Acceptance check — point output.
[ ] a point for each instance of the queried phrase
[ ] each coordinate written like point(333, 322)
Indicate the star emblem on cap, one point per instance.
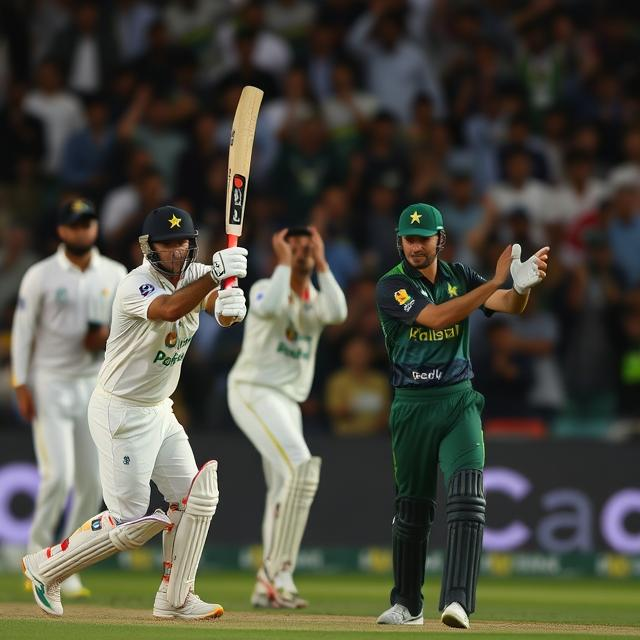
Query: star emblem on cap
point(415, 217)
point(174, 221)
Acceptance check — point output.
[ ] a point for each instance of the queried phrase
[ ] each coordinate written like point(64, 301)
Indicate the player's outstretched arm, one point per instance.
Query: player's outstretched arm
point(440, 316)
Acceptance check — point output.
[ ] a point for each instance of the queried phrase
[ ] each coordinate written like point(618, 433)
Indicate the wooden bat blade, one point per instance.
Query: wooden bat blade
point(243, 132)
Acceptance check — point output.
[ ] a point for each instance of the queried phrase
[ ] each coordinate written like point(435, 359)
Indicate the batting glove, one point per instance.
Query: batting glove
point(525, 274)
point(231, 303)
point(229, 263)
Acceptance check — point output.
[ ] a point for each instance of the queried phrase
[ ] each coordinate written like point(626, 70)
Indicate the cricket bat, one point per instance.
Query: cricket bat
point(243, 131)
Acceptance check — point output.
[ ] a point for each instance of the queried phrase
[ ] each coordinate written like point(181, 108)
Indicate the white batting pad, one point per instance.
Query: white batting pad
point(191, 533)
point(97, 539)
point(291, 517)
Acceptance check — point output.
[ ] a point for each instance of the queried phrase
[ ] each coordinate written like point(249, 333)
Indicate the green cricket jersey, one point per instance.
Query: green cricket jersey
point(423, 357)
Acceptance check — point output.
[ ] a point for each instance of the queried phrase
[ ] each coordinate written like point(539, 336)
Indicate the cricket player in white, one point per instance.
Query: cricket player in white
point(59, 332)
point(271, 376)
point(155, 316)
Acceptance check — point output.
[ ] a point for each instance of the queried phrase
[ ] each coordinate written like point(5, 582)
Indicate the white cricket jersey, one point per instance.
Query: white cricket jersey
point(144, 357)
point(56, 303)
point(282, 330)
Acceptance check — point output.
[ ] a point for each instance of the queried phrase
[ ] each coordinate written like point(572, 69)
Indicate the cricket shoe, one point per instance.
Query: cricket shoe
point(192, 609)
point(399, 614)
point(47, 596)
point(454, 615)
point(73, 588)
point(278, 594)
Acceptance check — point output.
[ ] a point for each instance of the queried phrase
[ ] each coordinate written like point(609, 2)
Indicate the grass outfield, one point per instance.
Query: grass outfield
point(342, 606)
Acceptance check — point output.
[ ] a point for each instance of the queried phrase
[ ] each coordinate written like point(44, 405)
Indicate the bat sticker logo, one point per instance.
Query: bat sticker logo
point(237, 199)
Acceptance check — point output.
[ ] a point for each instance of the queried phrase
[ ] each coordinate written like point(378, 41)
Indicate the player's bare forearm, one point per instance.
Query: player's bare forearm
point(507, 301)
point(173, 307)
point(440, 316)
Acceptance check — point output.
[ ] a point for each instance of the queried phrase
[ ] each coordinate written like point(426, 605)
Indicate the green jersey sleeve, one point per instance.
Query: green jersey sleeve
point(400, 299)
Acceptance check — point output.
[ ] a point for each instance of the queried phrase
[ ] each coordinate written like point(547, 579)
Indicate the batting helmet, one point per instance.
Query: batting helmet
point(165, 224)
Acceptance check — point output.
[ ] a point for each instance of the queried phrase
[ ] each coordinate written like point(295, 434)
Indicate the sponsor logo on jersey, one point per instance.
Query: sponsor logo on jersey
point(146, 289)
point(402, 297)
point(434, 374)
point(301, 349)
point(61, 296)
point(171, 339)
point(291, 334)
point(168, 361)
point(423, 334)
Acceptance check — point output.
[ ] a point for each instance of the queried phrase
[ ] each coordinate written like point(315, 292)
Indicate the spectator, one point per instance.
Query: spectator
point(269, 52)
point(16, 256)
point(281, 116)
point(290, 19)
point(503, 374)
point(396, 69)
point(193, 163)
point(59, 111)
point(589, 315)
point(580, 192)
point(624, 225)
point(21, 134)
point(348, 112)
point(132, 20)
point(521, 189)
point(305, 166)
point(357, 397)
point(88, 152)
point(320, 58)
point(86, 49)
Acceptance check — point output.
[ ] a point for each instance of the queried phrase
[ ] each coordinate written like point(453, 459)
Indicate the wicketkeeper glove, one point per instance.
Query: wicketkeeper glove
point(231, 303)
point(525, 274)
point(229, 263)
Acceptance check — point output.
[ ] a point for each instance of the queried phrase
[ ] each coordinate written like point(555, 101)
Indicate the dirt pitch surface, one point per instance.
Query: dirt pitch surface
point(302, 622)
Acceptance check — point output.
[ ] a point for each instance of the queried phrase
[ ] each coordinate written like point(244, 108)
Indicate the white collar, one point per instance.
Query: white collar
point(67, 265)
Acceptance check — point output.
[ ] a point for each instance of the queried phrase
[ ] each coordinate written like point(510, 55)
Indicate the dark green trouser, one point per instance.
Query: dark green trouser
point(440, 425)
point(431, 426)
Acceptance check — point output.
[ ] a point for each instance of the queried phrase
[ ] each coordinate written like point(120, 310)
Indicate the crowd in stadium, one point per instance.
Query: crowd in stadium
point(520, 121)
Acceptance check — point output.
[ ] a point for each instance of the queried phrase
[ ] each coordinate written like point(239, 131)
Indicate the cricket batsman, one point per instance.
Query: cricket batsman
point(424, 305)
point(155, 315)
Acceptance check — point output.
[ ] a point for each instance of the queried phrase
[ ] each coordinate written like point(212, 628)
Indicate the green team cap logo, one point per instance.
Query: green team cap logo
point(420, 220)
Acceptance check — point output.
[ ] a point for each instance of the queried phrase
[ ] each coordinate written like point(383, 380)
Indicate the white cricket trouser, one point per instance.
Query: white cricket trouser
point(273, 423)
point(66, 456)
point(135, 445)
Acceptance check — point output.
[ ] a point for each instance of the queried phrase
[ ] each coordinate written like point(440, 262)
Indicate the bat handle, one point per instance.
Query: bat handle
point(232, 241)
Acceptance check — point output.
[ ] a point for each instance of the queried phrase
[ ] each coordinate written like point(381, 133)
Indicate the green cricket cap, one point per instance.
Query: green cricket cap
point(420, 220)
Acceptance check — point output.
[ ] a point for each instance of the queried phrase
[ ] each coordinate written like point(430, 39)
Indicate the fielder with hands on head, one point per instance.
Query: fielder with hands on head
point(60, 327)
point(271, 376)
point(423, 306)
point(155, 315)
